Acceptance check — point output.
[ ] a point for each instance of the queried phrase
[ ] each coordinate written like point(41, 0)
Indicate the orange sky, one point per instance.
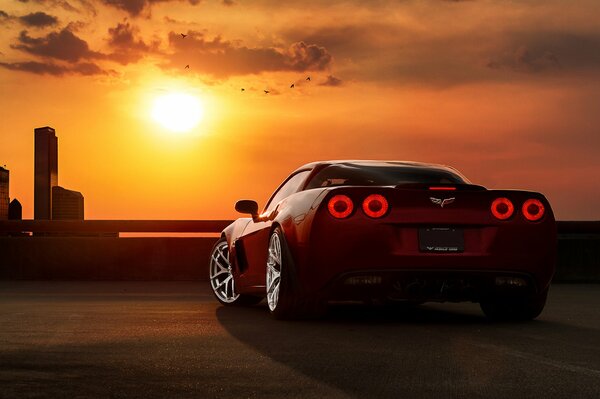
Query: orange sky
point(507, 92)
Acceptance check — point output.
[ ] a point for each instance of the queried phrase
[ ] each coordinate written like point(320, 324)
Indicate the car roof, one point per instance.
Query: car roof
point(318, 165)
point(380, 163)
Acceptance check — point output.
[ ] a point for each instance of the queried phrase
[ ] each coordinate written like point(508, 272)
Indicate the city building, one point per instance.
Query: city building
point(4, 179)
point(66, 204)
point(46, 171)
point(15, 210)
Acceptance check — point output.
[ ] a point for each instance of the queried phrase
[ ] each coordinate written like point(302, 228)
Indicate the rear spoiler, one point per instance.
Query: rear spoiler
point(441, 187)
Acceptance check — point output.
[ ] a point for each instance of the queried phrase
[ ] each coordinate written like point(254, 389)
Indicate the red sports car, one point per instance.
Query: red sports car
point(388, 232)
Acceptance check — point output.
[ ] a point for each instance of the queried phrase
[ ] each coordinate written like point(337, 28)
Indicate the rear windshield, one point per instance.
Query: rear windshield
point(393, 175)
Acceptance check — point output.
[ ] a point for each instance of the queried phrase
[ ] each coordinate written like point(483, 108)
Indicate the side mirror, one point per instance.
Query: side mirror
point(247, 206)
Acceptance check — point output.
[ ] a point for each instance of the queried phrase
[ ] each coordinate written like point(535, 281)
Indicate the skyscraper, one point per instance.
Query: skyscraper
point(46, 171)
point(4, 175)
point(66, 204)
point(15, 210)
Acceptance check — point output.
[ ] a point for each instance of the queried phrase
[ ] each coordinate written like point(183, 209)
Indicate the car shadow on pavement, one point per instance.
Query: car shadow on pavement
point(425, 351)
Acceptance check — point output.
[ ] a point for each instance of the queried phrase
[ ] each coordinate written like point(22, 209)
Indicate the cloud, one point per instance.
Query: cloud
point(545, 51)
point(6, 18)
point(305, 57)
point(129, 48)
point(64, 4)
point(66, 46)
point(45, 68)
point(407, 54)
point(135, 7)
point(63, 45)
point(332, 81)
point(38, 19)
point(123, 36)
point(228, 3)
point(524, 60)
point(222, 58)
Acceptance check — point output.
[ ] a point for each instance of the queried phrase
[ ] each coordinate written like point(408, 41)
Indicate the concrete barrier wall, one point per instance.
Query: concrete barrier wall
point(111, 258)
point(578, 259)
point(104, 258)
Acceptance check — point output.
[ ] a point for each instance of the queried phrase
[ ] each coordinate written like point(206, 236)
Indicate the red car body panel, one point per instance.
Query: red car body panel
point(326, 249)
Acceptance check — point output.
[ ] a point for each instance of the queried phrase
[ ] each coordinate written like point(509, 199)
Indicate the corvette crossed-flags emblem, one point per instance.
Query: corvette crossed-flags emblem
point(441, 202)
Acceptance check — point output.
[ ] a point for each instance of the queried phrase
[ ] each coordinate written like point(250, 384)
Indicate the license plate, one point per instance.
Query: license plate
point(441, 239)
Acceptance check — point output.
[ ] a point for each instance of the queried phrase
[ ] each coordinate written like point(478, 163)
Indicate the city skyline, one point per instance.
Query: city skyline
point(171, 110)
point(51, 201)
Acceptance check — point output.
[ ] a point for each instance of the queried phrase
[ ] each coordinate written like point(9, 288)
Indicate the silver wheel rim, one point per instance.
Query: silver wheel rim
point(273, 272)
point(221, 277)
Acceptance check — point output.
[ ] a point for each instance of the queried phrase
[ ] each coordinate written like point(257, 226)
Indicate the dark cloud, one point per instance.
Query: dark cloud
point(524, 60)
point(123, 36)
point(38, 19)
point(63, 45)
point(228, 3)
point(66, 46)
point(352, 41)
point(6, 18)
point(376, 51)
point(332, 81)
point(135, 7)
point(305, 57)
point(87, 69)
point(64, 4)
point(222, 58)
point(538, 52)
point(129, 48)
point(45, 68)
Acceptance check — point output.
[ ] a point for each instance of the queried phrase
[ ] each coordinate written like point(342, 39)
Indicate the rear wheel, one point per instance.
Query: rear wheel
point(515, 309)
point(283, 294)
point(221, 277)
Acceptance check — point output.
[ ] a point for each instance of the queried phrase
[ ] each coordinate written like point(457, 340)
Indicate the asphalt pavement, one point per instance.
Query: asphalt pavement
point(171, 340)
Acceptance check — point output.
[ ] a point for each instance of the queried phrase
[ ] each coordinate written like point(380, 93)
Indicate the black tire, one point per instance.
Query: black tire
point(291, 303)
point(515, 309)
point(225, 294)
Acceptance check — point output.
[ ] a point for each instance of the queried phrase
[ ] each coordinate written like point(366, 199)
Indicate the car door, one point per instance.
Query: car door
point(255, 239)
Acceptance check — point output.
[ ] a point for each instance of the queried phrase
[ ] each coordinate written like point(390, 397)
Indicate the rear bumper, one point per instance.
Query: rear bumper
point(393, 251)
point(432, 285)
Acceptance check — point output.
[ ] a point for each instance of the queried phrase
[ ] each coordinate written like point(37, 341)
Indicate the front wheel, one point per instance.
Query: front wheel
point(515, 309)
point(221, 277)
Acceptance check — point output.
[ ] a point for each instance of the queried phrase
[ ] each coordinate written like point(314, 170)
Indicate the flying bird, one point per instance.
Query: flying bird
point(187, 66)
point(243, 89)
point(308, 78)
point(292, 86)
point(266, 91)
point(183, 36)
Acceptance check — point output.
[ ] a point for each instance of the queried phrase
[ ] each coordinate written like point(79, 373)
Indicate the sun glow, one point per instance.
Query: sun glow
point(178, 112)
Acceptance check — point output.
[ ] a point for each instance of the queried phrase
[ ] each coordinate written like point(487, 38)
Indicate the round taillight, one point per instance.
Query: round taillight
point(533, 209)
point(375, 206)
point(340, 206)
point(502, 208)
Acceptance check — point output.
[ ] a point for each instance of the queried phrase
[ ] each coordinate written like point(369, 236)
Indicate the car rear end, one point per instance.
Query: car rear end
point(452, 242)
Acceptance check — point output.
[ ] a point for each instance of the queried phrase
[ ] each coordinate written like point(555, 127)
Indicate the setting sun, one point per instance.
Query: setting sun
point(178, 112)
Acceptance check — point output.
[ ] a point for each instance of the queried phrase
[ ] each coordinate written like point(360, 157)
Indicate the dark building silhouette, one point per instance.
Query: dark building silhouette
point(4, 179)
point(46, 171)
point(15, 210)
point(66, 204)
